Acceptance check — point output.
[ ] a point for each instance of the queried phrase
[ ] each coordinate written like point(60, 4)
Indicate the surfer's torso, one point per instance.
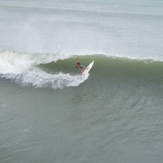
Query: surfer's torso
point(79, 66)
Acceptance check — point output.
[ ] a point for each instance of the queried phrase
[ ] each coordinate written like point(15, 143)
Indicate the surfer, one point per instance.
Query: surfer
point(78, 65)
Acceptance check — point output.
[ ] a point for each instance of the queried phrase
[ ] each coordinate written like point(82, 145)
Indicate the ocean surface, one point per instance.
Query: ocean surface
point(50, 113)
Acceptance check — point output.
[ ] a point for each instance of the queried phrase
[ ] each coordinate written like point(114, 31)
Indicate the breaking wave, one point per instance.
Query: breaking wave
point(57, 71)
point(24, 69)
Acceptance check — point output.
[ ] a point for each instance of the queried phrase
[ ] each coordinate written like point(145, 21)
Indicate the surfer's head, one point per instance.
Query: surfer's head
point(78, 63)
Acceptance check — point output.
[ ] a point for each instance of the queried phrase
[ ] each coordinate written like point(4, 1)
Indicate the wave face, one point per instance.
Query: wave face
point(23, 68)
point(56, 71)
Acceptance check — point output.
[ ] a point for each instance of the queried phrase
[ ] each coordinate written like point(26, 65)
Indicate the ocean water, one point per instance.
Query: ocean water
point(49, 112)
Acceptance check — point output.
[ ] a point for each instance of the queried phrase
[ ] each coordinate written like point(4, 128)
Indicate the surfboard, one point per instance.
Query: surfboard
point(88, 68)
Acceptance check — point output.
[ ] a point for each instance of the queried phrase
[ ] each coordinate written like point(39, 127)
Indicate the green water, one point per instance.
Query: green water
point(114, 116)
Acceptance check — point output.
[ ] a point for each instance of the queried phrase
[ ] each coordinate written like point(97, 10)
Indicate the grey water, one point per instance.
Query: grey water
point(49, 113)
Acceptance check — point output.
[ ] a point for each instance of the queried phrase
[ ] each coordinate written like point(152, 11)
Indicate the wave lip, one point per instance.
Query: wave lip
point(22, 68)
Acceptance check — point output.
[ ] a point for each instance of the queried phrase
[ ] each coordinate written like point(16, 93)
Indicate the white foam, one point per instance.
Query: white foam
point(22, 69)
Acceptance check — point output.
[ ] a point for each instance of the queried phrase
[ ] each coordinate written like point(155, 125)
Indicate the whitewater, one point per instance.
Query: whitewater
point(22, 68)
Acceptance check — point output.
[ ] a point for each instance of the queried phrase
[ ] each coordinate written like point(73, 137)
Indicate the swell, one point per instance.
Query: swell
point(79, 8)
